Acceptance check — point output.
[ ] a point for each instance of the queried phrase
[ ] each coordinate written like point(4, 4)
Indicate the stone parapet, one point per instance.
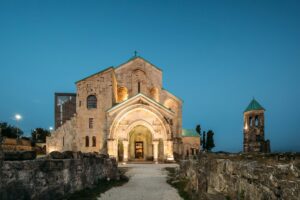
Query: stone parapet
point(242, 176)
point(55, 175)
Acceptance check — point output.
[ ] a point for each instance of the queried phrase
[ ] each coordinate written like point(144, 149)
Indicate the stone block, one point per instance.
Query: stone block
point(56, 155)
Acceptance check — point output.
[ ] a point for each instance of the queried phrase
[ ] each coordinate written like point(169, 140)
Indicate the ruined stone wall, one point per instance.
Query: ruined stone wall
point(65, 138)
point(54, 176)
point(249, 177)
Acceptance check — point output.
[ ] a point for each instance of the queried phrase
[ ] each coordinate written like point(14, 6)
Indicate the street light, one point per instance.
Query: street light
point(18, 117)
point(51, 128)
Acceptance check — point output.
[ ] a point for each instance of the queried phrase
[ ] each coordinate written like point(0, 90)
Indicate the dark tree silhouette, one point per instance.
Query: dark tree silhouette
point(210, 140)
point(198, 129)
point(9, 131)
point(204, 141)
point(39, 135)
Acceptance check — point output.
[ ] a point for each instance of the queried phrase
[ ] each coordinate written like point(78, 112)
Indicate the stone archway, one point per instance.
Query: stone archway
point(140, 116)
point(140, 144)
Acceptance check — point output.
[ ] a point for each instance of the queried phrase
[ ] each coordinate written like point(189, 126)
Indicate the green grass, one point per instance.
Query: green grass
point(178, 184)
point(100, 188)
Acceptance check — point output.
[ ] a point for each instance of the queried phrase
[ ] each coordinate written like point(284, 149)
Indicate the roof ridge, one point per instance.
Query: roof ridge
point(135, 57)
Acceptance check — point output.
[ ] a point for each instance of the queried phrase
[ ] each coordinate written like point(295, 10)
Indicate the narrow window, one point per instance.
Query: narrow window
point(257, 138)
point(87, 142)
point(187, 152)
point(91, 123)
point(79, 103)
point(91, 102)
point(250, 121)
point(94, 141)
point(256, 120)
point(139, 87)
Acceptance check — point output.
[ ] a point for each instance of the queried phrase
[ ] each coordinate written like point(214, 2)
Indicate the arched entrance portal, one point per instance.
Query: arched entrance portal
point(140, 144)
point(140, 132)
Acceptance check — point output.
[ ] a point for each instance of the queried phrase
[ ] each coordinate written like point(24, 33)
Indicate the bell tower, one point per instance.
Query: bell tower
point(254, 129)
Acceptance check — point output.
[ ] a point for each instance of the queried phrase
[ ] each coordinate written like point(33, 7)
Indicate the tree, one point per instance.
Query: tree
point(204, 141)
point(39, 135)
point(210, 140)
point(10, 131)
point(198, 129)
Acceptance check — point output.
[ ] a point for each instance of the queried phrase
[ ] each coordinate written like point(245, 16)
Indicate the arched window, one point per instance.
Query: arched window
point(87, 141)
point(256, 120)
point(250, 121)
point(91, 102)
point(139, 87)
point(94, 141)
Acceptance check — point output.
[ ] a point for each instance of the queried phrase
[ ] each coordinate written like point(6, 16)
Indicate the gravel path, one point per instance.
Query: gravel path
point(146, 181)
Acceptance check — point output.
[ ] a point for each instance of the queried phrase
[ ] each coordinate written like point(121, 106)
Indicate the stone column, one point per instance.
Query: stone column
point(170, 155)
point(110, 148)
point(125, 153)
point(155, 150)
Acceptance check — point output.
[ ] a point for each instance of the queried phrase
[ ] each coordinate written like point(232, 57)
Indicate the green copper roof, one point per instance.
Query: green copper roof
point(254, 105)
point(189, 133)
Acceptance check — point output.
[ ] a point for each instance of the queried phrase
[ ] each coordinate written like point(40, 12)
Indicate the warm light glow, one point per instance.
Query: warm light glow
point(51, 148)
point(18, 117)
point(246, 127)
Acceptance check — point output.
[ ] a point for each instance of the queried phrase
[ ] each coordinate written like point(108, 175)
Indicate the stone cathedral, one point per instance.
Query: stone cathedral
point(123, 111)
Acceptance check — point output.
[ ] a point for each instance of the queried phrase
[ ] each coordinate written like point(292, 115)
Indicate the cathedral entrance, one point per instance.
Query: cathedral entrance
point(139, 150)
point(140, 143)
point(138, 132)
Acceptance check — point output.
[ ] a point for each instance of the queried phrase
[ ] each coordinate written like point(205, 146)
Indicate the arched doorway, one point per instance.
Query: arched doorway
point(140, 143)
point(143, 132)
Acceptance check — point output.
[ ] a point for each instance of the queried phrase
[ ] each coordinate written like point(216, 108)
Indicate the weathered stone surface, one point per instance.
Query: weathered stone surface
point(245, 176)
point(56, 155)
point(53, 178)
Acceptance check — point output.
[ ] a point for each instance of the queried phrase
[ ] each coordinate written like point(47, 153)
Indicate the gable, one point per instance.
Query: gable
point(142, 99)
point(139, 59)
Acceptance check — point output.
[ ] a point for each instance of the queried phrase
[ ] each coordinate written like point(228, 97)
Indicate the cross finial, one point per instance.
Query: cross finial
point(135, 53)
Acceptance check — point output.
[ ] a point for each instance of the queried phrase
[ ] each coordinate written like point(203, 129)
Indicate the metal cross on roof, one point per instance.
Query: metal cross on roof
point(135, 53)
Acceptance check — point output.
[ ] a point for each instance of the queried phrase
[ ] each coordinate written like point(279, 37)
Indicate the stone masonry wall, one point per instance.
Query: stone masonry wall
point(245, 176)
point(54, 176)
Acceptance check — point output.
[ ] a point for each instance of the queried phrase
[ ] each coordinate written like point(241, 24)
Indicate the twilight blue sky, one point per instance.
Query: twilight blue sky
point(215, 55)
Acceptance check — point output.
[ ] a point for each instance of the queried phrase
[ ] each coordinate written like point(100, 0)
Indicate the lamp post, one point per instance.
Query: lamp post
point(18, 117)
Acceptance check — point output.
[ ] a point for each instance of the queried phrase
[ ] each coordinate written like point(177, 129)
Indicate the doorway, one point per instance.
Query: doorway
point(139, 150)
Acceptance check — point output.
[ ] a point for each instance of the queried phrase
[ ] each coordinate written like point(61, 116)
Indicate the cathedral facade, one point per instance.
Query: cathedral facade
point(123, 111)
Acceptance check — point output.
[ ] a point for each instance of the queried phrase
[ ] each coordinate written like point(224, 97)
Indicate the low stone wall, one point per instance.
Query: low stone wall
point(244, 176)
point(54, 176)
